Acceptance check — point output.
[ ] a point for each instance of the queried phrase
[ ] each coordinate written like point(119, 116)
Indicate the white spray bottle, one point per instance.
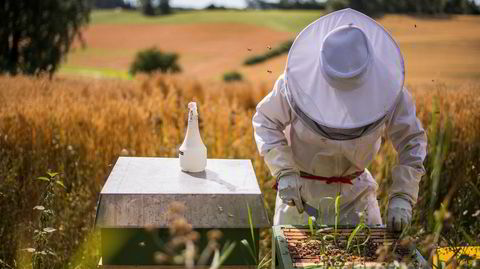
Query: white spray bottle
point(192, 152)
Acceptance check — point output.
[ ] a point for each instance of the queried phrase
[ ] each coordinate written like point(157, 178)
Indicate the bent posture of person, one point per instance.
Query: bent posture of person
point(322, 124)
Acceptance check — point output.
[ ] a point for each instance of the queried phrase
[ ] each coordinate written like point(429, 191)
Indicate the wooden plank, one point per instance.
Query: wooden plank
point(100, 265)
point(388, 242)
point(299, 228)
point(274, 249)
point(343, 233)
point(282, 252)
point(376, 239)
point(357, 265)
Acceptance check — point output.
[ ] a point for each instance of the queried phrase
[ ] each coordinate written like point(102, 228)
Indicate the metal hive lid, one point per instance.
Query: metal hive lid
point(140, 189)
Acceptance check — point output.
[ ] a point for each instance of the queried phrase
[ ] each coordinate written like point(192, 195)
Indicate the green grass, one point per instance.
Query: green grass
point(277, 51)
point(94, 72)
point(288, 21)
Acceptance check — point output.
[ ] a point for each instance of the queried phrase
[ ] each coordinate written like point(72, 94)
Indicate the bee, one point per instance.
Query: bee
point(249, 49)
point(415, 25)
point(269, 71)
point(269, 47)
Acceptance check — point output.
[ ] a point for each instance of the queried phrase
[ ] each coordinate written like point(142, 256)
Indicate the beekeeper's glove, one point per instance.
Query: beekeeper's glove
point(399, 213)
point(289, 191)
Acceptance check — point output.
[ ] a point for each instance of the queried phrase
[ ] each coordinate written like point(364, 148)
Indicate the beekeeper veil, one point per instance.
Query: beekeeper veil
point(343, 74)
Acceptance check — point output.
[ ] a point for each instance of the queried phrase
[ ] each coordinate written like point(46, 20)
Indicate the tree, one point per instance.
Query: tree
point(154, 60)
point(301, 4)
point(35, 35)
point(147, 7)
point(430, 7)
point(164, 7)
point(461, 7)
point(372, 8)
point(109, 3)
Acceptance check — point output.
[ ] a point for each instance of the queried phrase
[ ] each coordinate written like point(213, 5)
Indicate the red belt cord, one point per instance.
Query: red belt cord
point(344, 180)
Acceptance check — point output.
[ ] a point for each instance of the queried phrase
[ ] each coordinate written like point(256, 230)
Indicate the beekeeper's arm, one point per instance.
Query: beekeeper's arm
point(272, 116)
point(410, 141)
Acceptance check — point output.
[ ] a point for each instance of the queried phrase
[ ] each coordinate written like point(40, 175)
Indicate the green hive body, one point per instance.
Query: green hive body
point(127, 246)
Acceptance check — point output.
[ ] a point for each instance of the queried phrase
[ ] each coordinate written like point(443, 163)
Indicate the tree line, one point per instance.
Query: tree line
point(422, 7)
point(376, 7)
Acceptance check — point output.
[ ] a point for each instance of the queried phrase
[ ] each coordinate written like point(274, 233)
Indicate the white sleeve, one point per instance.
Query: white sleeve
point(272, 116)
point(410, 141)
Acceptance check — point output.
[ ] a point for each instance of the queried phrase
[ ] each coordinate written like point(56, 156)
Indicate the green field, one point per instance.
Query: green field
point(211, 43)
point(290, 21)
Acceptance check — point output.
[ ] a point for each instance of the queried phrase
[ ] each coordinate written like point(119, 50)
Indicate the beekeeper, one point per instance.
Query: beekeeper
point(322, 124)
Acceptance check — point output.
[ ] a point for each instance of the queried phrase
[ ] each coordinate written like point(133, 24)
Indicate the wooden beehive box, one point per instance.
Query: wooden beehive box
point(132, 213)
point(287, 239)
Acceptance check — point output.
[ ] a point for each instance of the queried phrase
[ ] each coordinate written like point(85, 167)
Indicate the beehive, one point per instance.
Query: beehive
point(286, 236)
point(139, 190)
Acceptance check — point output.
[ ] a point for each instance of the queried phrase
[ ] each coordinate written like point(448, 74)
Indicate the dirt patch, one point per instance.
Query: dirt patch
point(206, 50)
point(437, 50)
point(434, 50)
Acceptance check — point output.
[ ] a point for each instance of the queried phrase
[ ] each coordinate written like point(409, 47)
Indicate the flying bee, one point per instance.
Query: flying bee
point(249, 49)
point(269, 71)
point(269, 47)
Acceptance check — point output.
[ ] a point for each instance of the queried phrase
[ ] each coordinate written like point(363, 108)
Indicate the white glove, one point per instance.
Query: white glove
point(399, 214)
point(289, 191)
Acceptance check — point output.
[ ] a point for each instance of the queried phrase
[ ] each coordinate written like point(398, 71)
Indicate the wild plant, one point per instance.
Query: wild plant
point(312, 225)
point(266, 260)
point(183, 237)
point(440, 140)
point(337, 217)
point(361, 227)
point(42, 253)
point(5, 265)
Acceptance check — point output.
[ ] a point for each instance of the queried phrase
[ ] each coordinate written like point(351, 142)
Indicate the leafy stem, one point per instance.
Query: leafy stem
point(44, 229)
point(337, 217)
point(265, 261)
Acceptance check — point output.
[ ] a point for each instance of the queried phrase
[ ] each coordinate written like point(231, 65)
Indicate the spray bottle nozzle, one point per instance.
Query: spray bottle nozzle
point(192, 106)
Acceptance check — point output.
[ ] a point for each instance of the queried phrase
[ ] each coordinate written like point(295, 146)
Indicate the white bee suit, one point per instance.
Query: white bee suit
point(317, 155)
point(342, 90)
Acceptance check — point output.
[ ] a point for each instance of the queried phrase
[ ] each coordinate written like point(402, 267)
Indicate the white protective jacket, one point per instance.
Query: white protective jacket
point(289, 146)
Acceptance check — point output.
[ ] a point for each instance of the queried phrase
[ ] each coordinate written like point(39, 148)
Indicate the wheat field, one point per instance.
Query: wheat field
point(78, 127)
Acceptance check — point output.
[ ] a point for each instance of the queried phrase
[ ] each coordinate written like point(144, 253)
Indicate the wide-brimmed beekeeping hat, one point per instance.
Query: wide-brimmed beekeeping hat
point(344, 70)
